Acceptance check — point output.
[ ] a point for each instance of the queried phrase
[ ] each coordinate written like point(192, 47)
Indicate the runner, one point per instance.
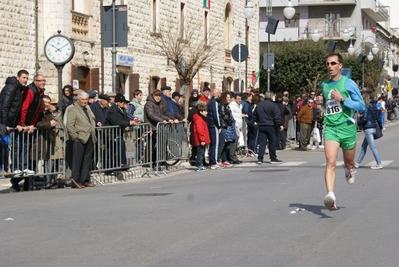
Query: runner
point(341, 99)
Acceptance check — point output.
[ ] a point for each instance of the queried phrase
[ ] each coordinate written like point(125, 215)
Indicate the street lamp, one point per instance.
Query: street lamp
point(289, 13)
point(249, 12)
point(370, 56)
point(346, 35)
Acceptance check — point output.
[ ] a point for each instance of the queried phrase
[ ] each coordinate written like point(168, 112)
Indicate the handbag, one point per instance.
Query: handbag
point(316, 135)
point(378, 133)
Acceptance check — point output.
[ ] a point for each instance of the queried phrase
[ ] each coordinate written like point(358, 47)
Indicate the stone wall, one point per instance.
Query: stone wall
point(18, 39)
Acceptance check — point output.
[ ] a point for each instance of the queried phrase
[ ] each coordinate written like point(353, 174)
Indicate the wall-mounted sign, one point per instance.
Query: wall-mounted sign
point(75, 84)
point(124, 60)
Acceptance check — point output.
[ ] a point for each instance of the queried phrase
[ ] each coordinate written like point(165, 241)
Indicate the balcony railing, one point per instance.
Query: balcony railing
point(80, 24)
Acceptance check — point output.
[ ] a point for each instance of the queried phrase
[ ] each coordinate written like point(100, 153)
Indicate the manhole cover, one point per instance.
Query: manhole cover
point(147, 195)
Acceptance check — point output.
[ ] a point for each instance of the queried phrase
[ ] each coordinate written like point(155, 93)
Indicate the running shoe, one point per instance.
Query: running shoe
point(329, 202)
point(259, 162)
point(201, 169)
point(226, 164)
point(376, 167)
point(216, 167)
point(321, 146)
point(349, 175)
point(356, 165)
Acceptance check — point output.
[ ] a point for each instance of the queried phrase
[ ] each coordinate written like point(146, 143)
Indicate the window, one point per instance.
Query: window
point(206, 27)
point(154, 16)
point(292, 23)
point(182, 16)
point(78, 6)
point(332, 23)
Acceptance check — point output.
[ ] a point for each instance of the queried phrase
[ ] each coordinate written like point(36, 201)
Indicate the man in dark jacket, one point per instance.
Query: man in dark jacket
point(166, 95)
point(268, 117)
point(117, 116)
point(214, 127)
point(10, 105)
point(100, 108)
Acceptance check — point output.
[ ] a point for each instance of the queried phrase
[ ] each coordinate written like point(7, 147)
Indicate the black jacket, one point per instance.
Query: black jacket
point(10, 102)
point(370, 117)
point(116, 116)
point(99, 112)
point(267, 114)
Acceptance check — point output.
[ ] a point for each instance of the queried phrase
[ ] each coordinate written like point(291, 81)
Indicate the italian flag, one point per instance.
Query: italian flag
point(207, 3)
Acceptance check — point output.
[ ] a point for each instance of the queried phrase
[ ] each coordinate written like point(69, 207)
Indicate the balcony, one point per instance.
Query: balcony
point(80, 25)
point(277, 3)
point(375, 10)
point(326, 2)
point(288, 34)
point(368, 37)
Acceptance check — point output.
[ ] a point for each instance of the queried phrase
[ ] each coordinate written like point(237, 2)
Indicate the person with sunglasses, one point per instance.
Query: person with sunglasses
point(341, 99)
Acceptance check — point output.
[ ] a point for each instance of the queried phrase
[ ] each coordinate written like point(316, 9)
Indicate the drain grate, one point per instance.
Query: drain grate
point(270, 170)
point(148, 195)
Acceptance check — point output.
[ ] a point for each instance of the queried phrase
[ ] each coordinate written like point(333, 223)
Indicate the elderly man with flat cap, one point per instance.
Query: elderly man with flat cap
point(166, 96)
point(100, 108)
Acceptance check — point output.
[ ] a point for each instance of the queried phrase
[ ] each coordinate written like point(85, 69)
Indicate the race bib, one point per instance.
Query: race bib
point(333, 107)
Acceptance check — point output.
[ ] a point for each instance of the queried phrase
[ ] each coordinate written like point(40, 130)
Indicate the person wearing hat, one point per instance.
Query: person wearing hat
point(178, 107)
point(99, 109)
point(92, 96)
point(192, 101)
point(206, 93)
point(112, 96)
point(117, 116)
point(166, 95)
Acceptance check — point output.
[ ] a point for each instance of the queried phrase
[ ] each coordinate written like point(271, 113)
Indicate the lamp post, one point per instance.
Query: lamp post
point(346, 35)
point(370, 56)
point(289, 12)
point(249, 12)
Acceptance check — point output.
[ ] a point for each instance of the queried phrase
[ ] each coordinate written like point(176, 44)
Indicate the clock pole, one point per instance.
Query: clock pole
point(59, 70)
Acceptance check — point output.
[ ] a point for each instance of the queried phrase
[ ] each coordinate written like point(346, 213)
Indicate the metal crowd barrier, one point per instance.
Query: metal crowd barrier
point(170, 144)
point(37, 154)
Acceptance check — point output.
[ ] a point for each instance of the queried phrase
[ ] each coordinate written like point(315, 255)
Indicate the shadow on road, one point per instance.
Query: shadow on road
point(315, 209)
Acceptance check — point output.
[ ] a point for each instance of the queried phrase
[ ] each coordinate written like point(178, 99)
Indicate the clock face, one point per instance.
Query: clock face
point(59, 49)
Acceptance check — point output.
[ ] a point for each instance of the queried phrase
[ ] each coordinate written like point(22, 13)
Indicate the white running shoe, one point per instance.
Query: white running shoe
point(321, 146)
point(356, 165)
point(313, 147)
point(329, 202)
point(349, 175)
point(376, 167)
point(18, 172)
point(29, 172)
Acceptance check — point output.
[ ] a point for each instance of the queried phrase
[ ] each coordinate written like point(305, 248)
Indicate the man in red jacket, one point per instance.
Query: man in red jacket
point(201, 135)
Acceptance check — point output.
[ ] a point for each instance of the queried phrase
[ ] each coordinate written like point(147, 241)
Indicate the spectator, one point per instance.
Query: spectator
point(201, 135)
point(154, 113)
point(117, 116)
point(81, 129)
point(138, 112)
point(252, 126)
point(281, 135)
point(166, 95)
point(268, 117)
point(30, 109)
point(100, 108)
point(178, 108)
point(206, 92)
point(305, 119)
point(67, 97)
point(192, 101)
point(11, 100)
point(236, 113)
point(214, 127)
point(226, 120)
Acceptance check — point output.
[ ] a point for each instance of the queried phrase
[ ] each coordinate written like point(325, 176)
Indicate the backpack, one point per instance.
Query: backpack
point(379, 106)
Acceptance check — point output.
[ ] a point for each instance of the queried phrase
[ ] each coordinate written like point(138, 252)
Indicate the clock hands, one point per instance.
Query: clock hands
point(56, 48)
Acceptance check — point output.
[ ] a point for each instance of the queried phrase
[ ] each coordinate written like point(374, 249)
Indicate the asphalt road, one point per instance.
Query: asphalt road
point(241, 216)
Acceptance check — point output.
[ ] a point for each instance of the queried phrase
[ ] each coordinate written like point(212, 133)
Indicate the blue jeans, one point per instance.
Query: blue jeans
point(200, 156)
point(382, 118)
point(369, 141)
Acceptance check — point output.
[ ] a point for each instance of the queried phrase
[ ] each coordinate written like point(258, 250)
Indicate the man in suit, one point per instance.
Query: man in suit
point(81, 129)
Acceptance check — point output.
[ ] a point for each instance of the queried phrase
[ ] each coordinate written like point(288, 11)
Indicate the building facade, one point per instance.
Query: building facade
point(367, 21)
point(26, 25)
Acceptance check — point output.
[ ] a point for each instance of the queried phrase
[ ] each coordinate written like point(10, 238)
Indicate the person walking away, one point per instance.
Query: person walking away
point(341, 99)
point(381, 107)
point(369, 119)
point(268, 118)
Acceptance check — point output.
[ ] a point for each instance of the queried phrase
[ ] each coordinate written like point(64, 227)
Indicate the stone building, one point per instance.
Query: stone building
point(26, 25)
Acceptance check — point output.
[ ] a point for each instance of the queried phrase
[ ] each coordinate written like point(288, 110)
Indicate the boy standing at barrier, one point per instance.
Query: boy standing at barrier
point(201, 135)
